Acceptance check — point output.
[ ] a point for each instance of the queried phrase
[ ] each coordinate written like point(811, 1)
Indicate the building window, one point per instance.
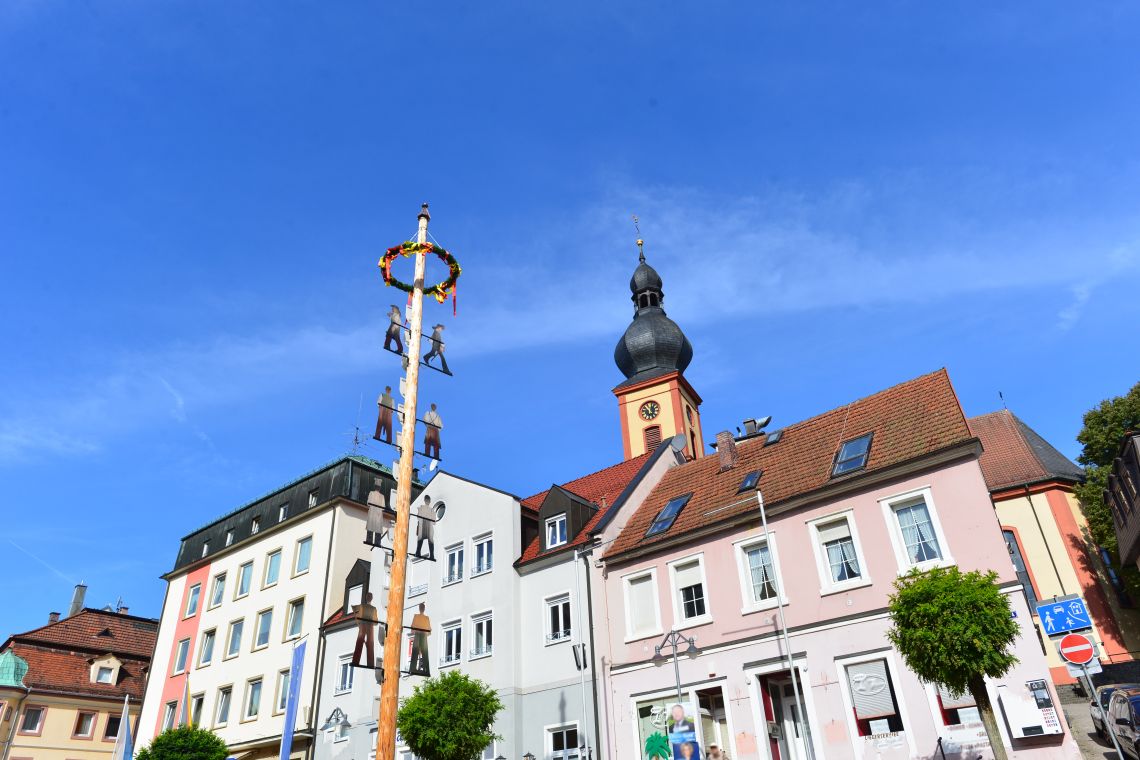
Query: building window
point(837, 550)
point(206, 652)
point(261, 631)
point(282, 512)
point(852, 455)
point(252, 699)
point(180, 652)
point(564, 743)
point(168, 714)
point(272, 568)
point(454, 564)
point(222, 714)
point(218, 590)
point(245, 579)
point(488, 752)
point(304, 555)
point(484, 555)
point(205, 548)
point(84, 725)
point(1019, 567)
point(643, 617)
point(452, 643)
point(196, 703)
point(749, 482)
point(667, 515)
point(111, 730)
point(483, 635)
point(957, 710)
point(558, 618)
point(915, 532)
point(296, 618)
point(32, 722)
point(254, 525)
point(229, 536)
point(192, 600)
point(344, 675)
point(689, 591)
point(313, 498)
point(873, 698)
point(758, 567)
point(652, 437)
point(555, 531)
point(104, 674)
point(282, 691)
point(233, 645)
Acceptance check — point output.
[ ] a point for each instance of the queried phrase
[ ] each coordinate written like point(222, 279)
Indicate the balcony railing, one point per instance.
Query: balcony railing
point(453, 577)
point(480, 652)
point(416, 590)
point(485, 568)
point(449, 659)
point(558, 635)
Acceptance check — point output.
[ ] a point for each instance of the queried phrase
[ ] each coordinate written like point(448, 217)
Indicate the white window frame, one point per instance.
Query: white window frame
point(889, 505)
point(476, 620)
point(198, 704)
point(265, 582)
point(212, 632)
point(344, 665)
point(558, 518)
point(229, 651)
point(823, 567)
point(246, 703)
point(297, 555)
point(283, 512)
point(547, 603)
point(744, 570)
point(237, 581)
point(110, 674)
point(548, 736)
point(229, 537)
point(181, 651)
point(214, 588)
point(281, 693)
point(625, 583)
point(169, 715)
point(485, 538)
point(894, 671)
point(447, 579)
point(193, 597)
point(680, 622)
point(291, 615)
point(218, 705)
point(452, 625)
point(255, 646)
point(254, 525)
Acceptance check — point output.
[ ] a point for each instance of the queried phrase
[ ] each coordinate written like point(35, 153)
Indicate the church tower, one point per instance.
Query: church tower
point(655, 402)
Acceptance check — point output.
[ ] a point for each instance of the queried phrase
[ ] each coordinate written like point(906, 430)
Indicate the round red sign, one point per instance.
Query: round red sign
point(1077, 649)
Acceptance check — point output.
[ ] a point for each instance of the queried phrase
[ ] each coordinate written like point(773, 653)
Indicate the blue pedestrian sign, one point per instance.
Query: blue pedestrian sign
point(1064, 616)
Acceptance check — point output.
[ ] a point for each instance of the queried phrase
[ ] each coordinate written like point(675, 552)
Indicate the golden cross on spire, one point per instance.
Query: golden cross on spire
point(640, 242)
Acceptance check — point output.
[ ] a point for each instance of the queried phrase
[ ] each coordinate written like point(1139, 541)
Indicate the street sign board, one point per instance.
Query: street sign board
point(1076, 649)
point(1076, 671)
point(1064, 616)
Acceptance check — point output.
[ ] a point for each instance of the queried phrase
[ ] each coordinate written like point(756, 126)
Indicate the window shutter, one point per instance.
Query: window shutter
point(641, 609)
point(870, 689)
point(950, 702)
point(652, 437)
point(688, 574)
point(834, 531)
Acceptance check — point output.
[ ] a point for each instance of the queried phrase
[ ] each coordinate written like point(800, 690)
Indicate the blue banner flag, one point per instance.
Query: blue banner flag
point(124, 746)
point(292, 700)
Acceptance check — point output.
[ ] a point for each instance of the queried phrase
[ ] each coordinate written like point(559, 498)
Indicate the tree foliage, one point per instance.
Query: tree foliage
point(184, 743)
point(449, 717)
point(1104, 428)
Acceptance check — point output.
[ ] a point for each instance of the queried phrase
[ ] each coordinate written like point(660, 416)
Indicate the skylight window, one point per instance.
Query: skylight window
point(750, 481)
point(852, 455)
point(666, 516)
point(774, 437)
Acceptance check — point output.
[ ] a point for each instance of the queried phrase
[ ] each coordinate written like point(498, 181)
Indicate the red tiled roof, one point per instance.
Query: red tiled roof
point(59, 654)
point(1014, 455)
point(915, 418)
point(597, 487)
point(339, 617)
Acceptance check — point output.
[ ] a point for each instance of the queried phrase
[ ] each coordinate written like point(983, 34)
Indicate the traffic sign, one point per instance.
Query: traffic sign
point(1077, 649)
point(1064, 616)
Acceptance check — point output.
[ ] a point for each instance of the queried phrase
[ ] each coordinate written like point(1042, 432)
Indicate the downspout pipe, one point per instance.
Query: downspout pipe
point(593, 671)
point(15, 723)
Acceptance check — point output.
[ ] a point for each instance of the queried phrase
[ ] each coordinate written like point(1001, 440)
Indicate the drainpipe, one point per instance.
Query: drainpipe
point(581, 670)
point(593, 671)
point(1041, 530)
point(15, 723)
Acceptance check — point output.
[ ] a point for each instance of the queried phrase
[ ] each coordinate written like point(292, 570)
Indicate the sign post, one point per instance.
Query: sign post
point(1077, 649)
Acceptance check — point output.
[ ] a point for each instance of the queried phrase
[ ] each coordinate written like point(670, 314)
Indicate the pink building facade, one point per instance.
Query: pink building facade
point(837, 543)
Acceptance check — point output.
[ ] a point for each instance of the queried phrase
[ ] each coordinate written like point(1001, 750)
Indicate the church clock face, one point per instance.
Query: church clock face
point(649, 410)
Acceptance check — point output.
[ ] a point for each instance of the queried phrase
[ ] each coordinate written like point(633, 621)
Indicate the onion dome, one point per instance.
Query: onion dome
point(653, 344)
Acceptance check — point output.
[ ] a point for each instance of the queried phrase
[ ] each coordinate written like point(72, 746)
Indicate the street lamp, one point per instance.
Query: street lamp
point(528, 756)
point(675, 640)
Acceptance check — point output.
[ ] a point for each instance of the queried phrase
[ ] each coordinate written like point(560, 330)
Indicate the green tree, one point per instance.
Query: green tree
point(955, 629)
point(1105, 426)
point(184, 743)
point(449, 717)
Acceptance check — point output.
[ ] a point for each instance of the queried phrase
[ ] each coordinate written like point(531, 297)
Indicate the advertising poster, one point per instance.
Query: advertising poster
point(681, 726)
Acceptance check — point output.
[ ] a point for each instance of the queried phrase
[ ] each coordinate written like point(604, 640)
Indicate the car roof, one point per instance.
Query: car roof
point(1115, 686)
point(1132, 694)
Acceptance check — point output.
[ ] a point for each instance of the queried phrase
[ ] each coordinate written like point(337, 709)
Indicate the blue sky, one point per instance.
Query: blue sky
point(193, 197)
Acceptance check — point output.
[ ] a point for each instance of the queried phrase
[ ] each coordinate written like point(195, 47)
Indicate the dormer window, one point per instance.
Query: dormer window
point(205, 548)
point(667, 515)
point(105, 670)
point(104, 674)
point(749, 482)
point(556, 531)
point(852, 455)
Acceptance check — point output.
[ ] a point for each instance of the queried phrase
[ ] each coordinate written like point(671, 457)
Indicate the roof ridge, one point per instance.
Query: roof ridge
point(588, 475)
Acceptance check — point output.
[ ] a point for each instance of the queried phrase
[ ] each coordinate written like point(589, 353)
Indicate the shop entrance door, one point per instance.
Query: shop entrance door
point(788, 716)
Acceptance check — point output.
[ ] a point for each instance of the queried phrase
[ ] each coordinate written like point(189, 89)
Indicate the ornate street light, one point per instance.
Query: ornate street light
point(675, 640)
point(528, 756)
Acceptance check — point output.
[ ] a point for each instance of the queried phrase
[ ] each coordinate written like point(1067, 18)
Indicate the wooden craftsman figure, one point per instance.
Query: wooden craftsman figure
point(380, 518)
point(432, 425)
point(421, 627)
point(437, 347)
point(366, 620)
point(394, 330)
point(386, 405)
point(425, 528)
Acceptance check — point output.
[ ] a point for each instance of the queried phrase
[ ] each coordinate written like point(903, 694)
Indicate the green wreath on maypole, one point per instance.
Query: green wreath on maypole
point(441, 290)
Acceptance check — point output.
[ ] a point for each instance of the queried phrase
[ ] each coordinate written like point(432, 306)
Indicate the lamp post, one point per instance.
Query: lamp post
point(675, 640)
point(528, 756)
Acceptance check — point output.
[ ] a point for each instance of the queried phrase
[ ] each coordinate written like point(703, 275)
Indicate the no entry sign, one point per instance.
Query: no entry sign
point(1077, 649)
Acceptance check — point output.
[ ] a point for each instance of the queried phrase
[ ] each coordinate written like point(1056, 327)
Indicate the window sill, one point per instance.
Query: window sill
point(203, 665)
point(477, 573)
point(342, 692)
point(643, 636)
point(928, 565)
point(480, 656)
point(249, 719)
point(846, 586)
point(449, 664)
point(269, 585)
point(555, 642)
point(694, 622)
point(763, 606)
point(299, 573)
point(450, 582)
point(233, 656)
point(259, 647)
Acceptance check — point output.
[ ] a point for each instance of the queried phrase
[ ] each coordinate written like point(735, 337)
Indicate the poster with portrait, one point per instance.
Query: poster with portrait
point(681, 727)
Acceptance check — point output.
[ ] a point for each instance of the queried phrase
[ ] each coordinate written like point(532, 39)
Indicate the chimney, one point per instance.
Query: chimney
point(77, 599)
point(123, 609)
point(53, 617)
point(726, 450)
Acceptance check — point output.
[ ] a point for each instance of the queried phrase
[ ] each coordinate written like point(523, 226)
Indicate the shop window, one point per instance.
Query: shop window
point(873, 697)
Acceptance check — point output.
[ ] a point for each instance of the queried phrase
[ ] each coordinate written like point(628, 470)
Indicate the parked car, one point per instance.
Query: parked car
point(1124, 720)
point(1099, 704)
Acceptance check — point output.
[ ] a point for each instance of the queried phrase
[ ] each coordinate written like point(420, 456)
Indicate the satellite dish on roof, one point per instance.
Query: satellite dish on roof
point(677, 443)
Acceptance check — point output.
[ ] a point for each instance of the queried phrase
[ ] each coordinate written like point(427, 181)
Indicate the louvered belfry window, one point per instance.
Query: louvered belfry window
point(652, 437)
